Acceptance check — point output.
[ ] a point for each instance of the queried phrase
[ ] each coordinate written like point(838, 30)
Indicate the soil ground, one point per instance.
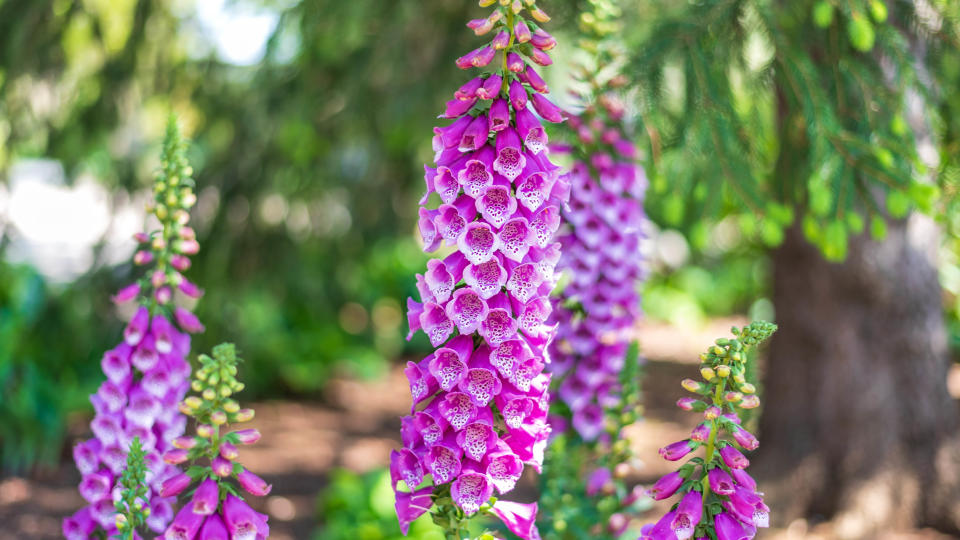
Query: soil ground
point(302, 442)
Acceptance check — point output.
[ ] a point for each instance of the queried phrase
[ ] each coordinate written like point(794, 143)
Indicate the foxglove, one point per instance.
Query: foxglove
point(594, 368)
point(215, 508)
point(494, 198)
point(147, 373)
point(718, 497)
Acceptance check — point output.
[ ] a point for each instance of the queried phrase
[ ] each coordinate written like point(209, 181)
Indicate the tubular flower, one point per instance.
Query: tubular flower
point(146, 374)
point(485, 306)
point(719, 499)
point(594, 368)
point(213, 509)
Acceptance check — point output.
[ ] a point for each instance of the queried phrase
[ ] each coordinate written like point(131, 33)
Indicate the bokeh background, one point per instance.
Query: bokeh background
point(310, 121)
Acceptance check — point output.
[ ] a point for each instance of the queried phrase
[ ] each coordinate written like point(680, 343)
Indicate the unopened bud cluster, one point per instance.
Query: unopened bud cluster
point(719, 497)
point(215, 510)
point(133, 505)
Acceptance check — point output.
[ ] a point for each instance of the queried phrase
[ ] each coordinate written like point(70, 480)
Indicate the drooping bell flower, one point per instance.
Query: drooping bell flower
point(730, 509)
point(484, 307)
point(519, 518)
point(145, 372)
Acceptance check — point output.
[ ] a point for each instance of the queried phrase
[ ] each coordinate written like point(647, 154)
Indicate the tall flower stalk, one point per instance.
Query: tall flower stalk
point(216, 509)
point(594, 356)
point(147, 373)
point(718, 499)
point(479, 411)
point(132, 511)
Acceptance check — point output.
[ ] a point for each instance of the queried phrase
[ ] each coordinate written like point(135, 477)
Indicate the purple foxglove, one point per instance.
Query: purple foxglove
point(174, 485)
point(544, 41)
point(491, 87)
point(221, 467)
point(720, 481)
point(206, 498)
point(745, 439)
point(531, 77)
point(515, 63)
point(726, 486)
point(540, 58)
point(519, 518)
point(743, 479)
point(677, 450)
point(687, 515)
point(240, 519)
point(484, 307)
point(666, 486)
point(471, 490)
point(661, 530)
point(410, 506)
point(406, 466)
point(546, 109)
point(253, 483)
point(214, 529)
point(185, 525)
point(501, 40)
point(700, 433)
point(79, 525)
point(467, 92)
point(518, 96)
point(728, 528)
point(600, 480)
point(733, 458)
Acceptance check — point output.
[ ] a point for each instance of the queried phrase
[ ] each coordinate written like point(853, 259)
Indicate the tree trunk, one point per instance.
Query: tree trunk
point(858, 426)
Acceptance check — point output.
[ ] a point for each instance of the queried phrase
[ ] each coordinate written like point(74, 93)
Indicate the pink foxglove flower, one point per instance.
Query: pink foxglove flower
point(214, 509)
point(146, 374)
point(719, 499)
point(485, 306)
point(594, 358)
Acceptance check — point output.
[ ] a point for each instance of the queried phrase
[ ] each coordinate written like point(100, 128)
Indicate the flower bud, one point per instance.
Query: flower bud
point(733, 397)
point(723, 371)
point(677, 450)
point(691, 404)
point(539, 15)
point(247, 436)
point(739, 378)
point(209, 394)
point(196, 386)
point(750, 402)
point(713, 412)
point(707, 373)
point(193, 402)
point(745, 439)
point(185, 442)
point(231, 406)
point(691, 385)
point(521, 31)
point(229, 451)
point(205, 431)
point(221, 467)
point(218, 418)
point(225, 391)
point(748, 388)
point(244, 415)
point(174, 485)
point(501, 40)
point(142, 257)
point(175, 456)
point(253, 483)
point(700, 433)
point(666, 486)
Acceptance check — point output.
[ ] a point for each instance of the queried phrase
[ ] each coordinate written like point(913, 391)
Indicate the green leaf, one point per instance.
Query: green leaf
point(898, 204)
point(835, 241)
point(861, 33)
point(878, 228)
point(878, 10)
point(823, 14)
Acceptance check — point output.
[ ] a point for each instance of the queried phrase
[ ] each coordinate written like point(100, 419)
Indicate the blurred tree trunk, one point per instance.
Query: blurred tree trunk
point(858, 425)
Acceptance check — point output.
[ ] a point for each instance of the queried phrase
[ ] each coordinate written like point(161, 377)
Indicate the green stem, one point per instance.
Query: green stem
point(505, 85)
